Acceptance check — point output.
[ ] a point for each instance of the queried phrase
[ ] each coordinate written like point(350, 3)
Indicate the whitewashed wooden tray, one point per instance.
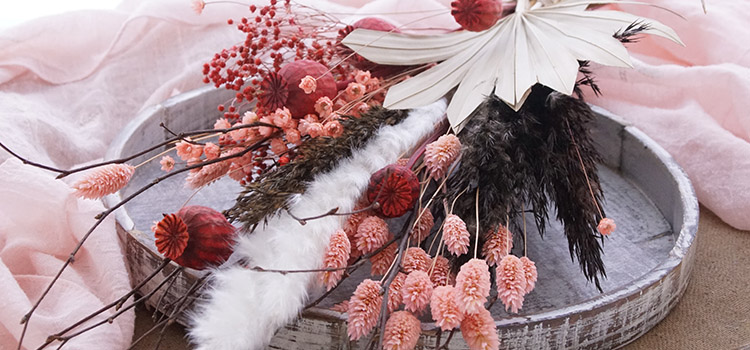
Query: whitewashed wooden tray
point(648, 259)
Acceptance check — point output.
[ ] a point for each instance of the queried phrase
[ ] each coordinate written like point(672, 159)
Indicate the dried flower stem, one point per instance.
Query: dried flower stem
point(583, 167)
point(332, 212)
point(476, 241)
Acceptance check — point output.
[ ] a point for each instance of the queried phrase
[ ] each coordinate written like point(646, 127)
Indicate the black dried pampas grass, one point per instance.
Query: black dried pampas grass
point(527, 159)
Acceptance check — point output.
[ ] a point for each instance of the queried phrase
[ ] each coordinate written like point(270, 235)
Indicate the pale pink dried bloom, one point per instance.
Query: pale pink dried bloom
point(341, 307)
point(104, 180)
point(445, 311)
point(529, 271)
point(211, 150)
point(333, 128)
point(372, 84)
point(324, 107)
point(479, 331)
point(372, 233)
point(414, 259)
point(455, 235)
point(315, 130)
point(336, 256)
point(308, 84)
point(237, 172)
point(364, 309)
point(278, 146)
point(472, 286)
point(282, 118)
point(402, 331)
point(186, 149)
point(266, 131)
point(167, 163)
point(439, 155)
point(417, 291)
point(606, 226)
point(394, 291)
point(380, 262)
point(422, 228)
point(249, 118)
point(222, 123)
point(360, 109)
point(198, 6)
point(239, 135)
point(350, 227)
point(354, 91)
point(293, 136)
point(208, 174)
point(498, 244)
point(440, 271)
point(511, 282)
point(362, 76)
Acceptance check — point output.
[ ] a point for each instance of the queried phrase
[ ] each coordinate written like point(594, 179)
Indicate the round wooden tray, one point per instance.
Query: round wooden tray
point(648, 259)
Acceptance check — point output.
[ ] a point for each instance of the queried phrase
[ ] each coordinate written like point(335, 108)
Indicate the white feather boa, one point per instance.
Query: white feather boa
point(245, 308)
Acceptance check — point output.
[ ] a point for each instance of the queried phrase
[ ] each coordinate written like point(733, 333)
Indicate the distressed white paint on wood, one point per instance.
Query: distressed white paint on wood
point(648, 259)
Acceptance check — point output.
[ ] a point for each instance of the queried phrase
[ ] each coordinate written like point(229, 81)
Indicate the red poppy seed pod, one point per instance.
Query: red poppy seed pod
point(395, 188)
point(361, 63)
point(196, 237)
point(476, 15)
point(283, 89)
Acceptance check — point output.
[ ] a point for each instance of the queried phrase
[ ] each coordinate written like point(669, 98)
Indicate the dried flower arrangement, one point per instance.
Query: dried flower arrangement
point(336, 129)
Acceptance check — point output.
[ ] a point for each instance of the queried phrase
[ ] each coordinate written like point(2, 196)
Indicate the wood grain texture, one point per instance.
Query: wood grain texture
point(649, 258)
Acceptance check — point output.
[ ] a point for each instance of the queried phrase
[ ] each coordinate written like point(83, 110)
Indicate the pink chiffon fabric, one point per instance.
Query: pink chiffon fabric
point(69, 83)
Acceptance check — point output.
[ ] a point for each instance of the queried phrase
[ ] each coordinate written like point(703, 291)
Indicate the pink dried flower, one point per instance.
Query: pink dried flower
point(511, 282)
point(372, 84)
point(333, 128)
point(198, 6)
point(364, 309)
point(472, 286)
point(417, 291)
point(282, 118)
point(266, 131)
point(207, 174)
point(167, 163)
point(606, 226)
point(440, 271)
point(414, 259)
point(402, 331)
point(341, 307)
point(479, 331)
point(293, 136)
point(249, 118)
point(529, 271)
point(372, 233)
point(239, 135)
point(455, 235)
point(336, 257)
point(308, 84)
point(222, 123)
point(211, 150)
point(324, 107)
point(394, 291)
point(439, 155)
point(237, 172)
point(104, 180)
point(315, 130)
point(186, 149)
point(424, 225)
point(498, 244)
point(360, 109)
point(362, 76)
point(278, 146)
point(444, 308)
point(380, 262)
point(354, 91)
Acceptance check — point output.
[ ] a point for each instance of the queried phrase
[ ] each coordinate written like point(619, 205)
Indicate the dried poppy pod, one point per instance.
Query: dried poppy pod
point(196, 237)
point(395, 188)
point(282, 89)
point(476, 15)
point(361, 63)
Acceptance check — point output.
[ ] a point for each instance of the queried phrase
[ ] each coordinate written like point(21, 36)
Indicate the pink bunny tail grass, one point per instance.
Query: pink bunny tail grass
point(380, 262)
point(394, 292)
point(472, 286)
point(415, 258)
point(207, 174)
point(511, 282)
point(402, 331)
point(364, 309)
point(529, 271)
point(445, 311)
point(341, 307)
point(439, 155)
point(336, 256)
point(416, 291)
point(423, 227)
point(498, 244)
point(350, 227)
point(105, 180)
point(372, 233)
point(479, 331)
point(440, 271)
point(455, 235)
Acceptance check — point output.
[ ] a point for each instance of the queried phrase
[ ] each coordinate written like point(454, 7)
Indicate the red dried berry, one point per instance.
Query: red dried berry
point(196, 237)
point(395, 188)
point(476, 15)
